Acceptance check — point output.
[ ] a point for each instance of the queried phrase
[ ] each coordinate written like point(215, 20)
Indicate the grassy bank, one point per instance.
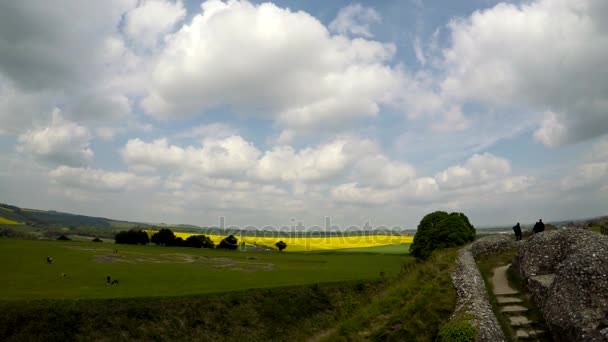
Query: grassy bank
point(281, 314)
point(412, 308)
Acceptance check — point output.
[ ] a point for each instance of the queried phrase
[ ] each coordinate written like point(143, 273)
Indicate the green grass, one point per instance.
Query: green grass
point(277, 314)
point(401, 248)
point(148, 271)
point(412, 308)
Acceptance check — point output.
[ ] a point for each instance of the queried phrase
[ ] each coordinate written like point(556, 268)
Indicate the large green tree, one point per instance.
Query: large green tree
point(163, 237)
point(441, 230)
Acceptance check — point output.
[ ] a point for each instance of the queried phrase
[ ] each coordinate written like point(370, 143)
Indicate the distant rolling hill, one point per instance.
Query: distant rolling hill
point(34, 217)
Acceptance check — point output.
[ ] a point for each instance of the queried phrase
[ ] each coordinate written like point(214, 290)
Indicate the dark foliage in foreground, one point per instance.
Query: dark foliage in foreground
point(441, 230)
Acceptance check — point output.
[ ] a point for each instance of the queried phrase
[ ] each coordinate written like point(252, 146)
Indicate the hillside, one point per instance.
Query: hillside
point(35, 218)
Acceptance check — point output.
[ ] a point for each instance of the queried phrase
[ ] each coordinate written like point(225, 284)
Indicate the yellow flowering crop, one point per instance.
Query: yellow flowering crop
point(7, 221)
point(299, 244)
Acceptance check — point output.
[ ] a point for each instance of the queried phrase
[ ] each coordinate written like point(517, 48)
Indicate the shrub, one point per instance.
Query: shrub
point(63, 238)
point(229, 242)
point(97, 240)
point(459, 331)
point(198, 241)
point(441, 230)
point(281, 245)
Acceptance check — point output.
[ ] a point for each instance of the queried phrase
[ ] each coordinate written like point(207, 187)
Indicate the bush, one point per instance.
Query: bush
point(441, 230)
point(97, 240)
point(198, 241)
point(281, 245)
point(132, 237)
point(230, 242)
point(459, 331)
point(63, 238)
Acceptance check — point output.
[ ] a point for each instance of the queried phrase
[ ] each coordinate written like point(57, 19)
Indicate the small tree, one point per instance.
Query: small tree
point(229, 242)
point(193, 241)
point(164, 237)
point(441, 230)
point(281, 245)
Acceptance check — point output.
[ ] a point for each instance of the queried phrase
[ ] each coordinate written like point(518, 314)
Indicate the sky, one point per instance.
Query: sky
point(270, 113)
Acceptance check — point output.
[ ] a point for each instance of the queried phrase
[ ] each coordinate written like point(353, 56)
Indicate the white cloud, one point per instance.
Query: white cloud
point(256, 57)
point(355, 20)
point(20, 109)
point(379, 170)
point(62, 142)
point(87, 179)
point(320, 163)
point(419, 52)
point(478, 169)
point(351, 193)
point(229, 157)
point(546, 55)
point(151, 19)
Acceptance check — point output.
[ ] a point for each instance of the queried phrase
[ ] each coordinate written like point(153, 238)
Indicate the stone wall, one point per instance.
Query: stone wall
point(566, 273)
point(472, 296)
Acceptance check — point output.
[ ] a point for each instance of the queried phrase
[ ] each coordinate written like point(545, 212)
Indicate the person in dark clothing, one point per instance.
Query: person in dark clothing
point(539, 227)
point(517, 230)
point(108, 279)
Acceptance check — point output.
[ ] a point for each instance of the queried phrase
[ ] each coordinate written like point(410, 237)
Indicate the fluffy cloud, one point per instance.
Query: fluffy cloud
point(62, 142)
point(546, 55)
point(352, 193)
point(88, 179)
point(149, 21)
point(59, 55)
point(478, 169)
point(256, 57)
point(18, 108)
point(46, 45)
point(378, 170)
point(230, 157)
point(320, 163)
point(355, 20)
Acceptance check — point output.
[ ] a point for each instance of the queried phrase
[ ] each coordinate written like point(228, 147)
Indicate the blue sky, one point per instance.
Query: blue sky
point(380, 111)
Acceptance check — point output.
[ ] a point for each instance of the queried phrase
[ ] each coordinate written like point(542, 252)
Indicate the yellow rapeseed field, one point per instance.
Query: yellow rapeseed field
point(7, 221)
point(299, 244)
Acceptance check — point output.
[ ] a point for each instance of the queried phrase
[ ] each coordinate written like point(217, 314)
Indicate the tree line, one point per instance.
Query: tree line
point(166, 237)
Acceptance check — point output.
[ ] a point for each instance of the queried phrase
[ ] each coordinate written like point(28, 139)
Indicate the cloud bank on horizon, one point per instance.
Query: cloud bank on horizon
point(184, 111)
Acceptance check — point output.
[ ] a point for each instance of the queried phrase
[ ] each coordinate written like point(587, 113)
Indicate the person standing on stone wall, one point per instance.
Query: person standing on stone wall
point(517, 230)
point(539, 227)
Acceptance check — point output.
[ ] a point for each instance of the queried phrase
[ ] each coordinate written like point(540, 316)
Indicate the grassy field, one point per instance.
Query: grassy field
point(169, 271)
point(400, 248)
